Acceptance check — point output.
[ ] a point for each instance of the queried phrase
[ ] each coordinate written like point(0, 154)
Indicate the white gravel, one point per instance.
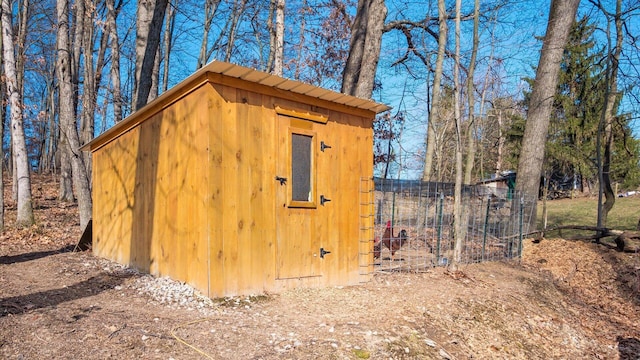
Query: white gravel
point(162, 290)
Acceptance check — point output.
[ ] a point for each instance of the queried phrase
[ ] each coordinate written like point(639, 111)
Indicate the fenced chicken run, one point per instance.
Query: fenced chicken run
point(413, 224)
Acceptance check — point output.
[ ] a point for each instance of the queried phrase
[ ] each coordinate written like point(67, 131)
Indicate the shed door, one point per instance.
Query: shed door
point(297, 200)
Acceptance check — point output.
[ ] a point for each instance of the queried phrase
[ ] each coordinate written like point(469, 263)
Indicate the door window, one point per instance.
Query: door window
point(302, 169)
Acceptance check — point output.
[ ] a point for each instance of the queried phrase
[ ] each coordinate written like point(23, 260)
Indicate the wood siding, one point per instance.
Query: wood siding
point(190, 192)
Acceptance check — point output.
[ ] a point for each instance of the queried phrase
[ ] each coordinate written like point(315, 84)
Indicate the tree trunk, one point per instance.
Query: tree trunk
point(364, 48)
point(89, 89)
point(210, 8)
point(47, 160)
point(25, 207)
point(434, 114)
point(68, 126)
point(155, 75)
point(21, 47)
point(459, 233)
point(112, 14)
point(471, 134)
point(608, 116)
point(271, 26)
point(561, 17)
point(65, 192)
point(278, 57)
point(298, 63)
point(238, 11)
point(77, 26)
point(150, 17)
point(168, 43)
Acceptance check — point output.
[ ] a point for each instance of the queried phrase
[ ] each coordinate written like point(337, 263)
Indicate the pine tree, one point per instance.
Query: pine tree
point(577, 107)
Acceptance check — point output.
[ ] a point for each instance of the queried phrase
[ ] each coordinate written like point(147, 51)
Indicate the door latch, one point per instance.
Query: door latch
point(324, 146)
point(323, 252)
point(323, 200)
point(283, 180)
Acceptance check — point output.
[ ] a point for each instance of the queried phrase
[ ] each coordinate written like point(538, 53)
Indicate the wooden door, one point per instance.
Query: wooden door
point(297, 200)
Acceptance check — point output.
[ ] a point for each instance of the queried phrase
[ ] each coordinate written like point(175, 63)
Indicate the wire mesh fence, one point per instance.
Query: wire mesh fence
point(412, 228)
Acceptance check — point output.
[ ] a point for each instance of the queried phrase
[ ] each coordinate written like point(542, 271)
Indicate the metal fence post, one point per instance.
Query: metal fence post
point(486, 224)
point(440, 216)
point(393, 209)
point(521, 221)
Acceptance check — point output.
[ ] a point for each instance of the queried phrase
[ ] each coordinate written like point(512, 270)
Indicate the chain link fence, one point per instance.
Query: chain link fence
point(412, 226)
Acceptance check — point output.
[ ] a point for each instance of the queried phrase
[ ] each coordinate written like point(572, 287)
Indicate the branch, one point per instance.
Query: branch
point(621, 237)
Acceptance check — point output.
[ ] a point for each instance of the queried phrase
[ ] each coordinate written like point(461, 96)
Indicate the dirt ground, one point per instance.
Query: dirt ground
point(564, 300)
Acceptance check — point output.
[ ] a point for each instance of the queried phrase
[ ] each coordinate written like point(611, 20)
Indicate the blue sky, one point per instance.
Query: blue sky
point(508, 35)
point(514, 39)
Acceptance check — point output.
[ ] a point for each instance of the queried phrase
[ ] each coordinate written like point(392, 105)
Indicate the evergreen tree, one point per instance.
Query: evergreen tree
point(577, 108)
point(578, 103)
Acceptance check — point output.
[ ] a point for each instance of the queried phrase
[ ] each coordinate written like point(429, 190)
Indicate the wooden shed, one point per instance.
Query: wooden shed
point(239, 182)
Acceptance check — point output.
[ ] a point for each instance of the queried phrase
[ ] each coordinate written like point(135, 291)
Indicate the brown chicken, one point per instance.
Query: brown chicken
point(392, 243)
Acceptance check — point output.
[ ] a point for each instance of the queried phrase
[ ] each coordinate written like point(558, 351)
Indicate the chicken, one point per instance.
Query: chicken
point(377, 247)
point(392, 243)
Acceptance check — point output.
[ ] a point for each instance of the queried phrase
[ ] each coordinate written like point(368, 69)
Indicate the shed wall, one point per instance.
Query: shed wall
point(150, 191)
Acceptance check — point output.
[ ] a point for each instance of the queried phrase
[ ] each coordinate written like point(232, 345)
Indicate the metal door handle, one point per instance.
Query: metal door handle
point(323, 200)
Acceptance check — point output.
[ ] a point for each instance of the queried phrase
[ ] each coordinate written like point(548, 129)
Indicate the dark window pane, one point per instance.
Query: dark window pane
point(301, 167)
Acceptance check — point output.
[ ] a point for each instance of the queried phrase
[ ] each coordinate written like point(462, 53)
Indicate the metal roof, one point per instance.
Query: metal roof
point(245, 74)
point(281, 83)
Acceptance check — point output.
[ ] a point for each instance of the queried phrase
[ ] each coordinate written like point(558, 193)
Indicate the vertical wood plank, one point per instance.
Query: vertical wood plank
point(243, 191)
point(256, 155)
point(216, 210)
point(198, 271)
point(230, 189)
point(167, 204)
point(269, 159)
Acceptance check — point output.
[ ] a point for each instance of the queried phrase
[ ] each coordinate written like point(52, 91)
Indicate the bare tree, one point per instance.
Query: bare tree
point(561, 17)
point(74, 50)
point(277, 38)
point(364, 48)
point(150, 17)
point(23, 17)
point(112, 14)
point(168, 41)
point(238, 10)
point(20, 48)
point(210, 8)
point(25, 208)
point(471, 133)
point(605, 128)
point(89, 81)
point(434, 113)
point(209, 12)
point(459, 233)
point(271, 26)
point(68, 125)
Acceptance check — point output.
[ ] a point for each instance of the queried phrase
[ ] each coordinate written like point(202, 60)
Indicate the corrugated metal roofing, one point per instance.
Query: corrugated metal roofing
point(249, 75)
point(278, 82)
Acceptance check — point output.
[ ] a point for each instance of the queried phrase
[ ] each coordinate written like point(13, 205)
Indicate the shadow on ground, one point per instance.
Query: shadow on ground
point(13, 259)
point(17, 305)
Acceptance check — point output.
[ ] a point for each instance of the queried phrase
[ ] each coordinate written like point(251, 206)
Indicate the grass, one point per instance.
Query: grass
point(583, 211)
